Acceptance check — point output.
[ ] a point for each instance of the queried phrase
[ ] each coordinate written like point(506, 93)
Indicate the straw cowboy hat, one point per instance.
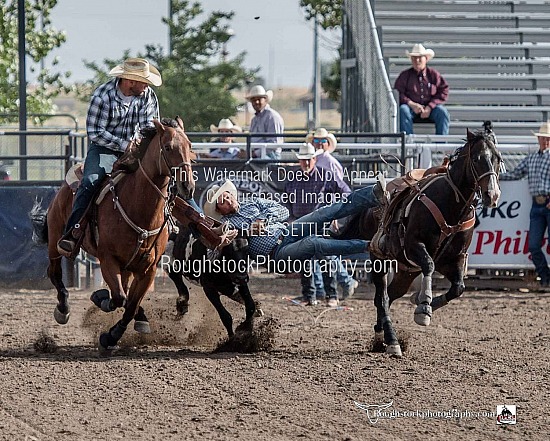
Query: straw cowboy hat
point(137, 69)
point(259, 91)
point(323, 133)
point(225, 124)
point(419, 50)
point(212, 196)
point(544, 130)
point(308, 151)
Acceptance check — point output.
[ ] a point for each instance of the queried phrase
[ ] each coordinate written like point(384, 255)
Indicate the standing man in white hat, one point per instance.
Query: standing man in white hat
point(422, 92)
point(117, 109)
point(536, 167)
point(265, 120)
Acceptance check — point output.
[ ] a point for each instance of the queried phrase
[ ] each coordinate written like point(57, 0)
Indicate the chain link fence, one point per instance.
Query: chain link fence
point(368, 104)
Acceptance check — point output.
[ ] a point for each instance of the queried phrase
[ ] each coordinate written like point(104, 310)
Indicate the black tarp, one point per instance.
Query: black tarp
point(23, 264)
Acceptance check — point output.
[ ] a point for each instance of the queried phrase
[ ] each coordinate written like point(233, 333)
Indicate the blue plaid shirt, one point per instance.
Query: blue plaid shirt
point(260, 209)
point(111, 122)
point(536, 167)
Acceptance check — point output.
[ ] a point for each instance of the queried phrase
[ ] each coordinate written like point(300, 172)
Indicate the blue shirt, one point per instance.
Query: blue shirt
point(225, 153)
point(112, 120)
point(267, 121)
point(536, 167)
point(260, 209)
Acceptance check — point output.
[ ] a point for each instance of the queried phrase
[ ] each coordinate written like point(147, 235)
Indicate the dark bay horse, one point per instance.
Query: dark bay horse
point(223, 272)
point(128, 231)
point(429, 226)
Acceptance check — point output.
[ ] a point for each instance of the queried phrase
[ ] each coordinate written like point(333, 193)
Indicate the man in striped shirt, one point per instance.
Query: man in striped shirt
point(117, 109)
point(536, 167)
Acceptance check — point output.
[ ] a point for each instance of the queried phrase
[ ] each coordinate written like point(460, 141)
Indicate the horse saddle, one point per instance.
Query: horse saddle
point(392, 220)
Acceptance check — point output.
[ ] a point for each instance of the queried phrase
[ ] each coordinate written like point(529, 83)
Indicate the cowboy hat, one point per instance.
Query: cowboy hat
point(212, 196)
point(225, 124)
point(137, 69)
point(419, 50)
point(321, 132)
point(544, 130)
point(307, 151)
point(259, 91)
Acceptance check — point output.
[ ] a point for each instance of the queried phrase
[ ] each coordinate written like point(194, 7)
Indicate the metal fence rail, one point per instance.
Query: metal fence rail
point(367, 100)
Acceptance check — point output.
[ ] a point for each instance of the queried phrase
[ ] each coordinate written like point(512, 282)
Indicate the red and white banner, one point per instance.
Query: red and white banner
point(501, 239)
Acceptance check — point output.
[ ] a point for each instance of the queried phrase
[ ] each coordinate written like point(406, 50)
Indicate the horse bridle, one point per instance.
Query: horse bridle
point(476, 177)
point(144, 234)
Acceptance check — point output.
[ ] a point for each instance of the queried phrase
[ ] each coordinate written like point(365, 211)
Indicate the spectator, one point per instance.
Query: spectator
point(422, 92)
point(116, 109)
point(265, 120)
point(536, 167)
point(312, 190)
point(224, 152)
point(326, 143)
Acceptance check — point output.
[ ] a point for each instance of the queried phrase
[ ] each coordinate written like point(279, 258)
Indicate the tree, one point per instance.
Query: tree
point(197, 82)
point(40, 39)
point(329, 12)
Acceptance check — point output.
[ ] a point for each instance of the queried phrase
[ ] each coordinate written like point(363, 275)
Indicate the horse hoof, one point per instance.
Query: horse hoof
point(105, 343)
point(61, 318)
point(423, 315)
point(142, 327)
point(394, 350)
point(106, 306)
point(99, 296)
point(259, 312)
point(182, 308)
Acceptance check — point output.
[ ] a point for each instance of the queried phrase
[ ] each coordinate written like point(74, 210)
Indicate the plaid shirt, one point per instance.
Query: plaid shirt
point(260, 209)
point(315, 190)
point(537, 168)
point(111, 122)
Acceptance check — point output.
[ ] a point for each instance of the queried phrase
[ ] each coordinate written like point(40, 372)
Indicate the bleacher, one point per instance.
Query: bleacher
point(495, 55)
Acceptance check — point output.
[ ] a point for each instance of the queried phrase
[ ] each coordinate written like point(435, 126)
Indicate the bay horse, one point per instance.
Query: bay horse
point(223, 272)
point(428, 226)
point(128, 229)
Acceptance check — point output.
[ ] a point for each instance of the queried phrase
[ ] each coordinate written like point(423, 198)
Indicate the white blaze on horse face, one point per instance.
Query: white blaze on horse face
point(493, 192)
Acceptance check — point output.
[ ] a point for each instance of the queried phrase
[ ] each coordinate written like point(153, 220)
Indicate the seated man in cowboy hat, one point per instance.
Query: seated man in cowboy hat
point(224, 127)
point(536, 166)
point(116, 109)
point(269, 235)
point(265, 120)
point(422, 92)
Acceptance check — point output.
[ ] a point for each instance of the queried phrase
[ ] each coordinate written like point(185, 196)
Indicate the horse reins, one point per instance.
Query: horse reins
point(143, 233)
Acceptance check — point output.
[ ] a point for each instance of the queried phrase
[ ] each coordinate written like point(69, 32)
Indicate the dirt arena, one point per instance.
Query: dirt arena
point(484, 350)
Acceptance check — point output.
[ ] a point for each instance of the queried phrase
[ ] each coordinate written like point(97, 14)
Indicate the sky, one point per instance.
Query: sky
point(279, 41)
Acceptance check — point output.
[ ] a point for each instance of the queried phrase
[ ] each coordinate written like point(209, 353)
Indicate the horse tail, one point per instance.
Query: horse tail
point(39, 219)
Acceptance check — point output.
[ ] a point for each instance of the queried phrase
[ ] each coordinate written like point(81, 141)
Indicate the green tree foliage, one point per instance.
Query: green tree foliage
point(40, 39)
point(197, 81)
point(329, 12)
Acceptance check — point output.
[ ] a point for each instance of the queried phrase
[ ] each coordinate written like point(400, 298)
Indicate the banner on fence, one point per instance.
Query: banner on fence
point(501, 239)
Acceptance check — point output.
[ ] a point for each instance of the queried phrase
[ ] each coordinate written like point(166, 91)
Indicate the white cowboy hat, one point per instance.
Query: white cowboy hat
point(544, 130)
point(137, 69)
point(212, 196)
point(419, 50)
point(259, 91)
point(225, 124)
point(307, 151)
point(321, 132)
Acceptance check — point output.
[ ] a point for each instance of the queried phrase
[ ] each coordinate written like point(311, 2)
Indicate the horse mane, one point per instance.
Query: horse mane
point(136, 150)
